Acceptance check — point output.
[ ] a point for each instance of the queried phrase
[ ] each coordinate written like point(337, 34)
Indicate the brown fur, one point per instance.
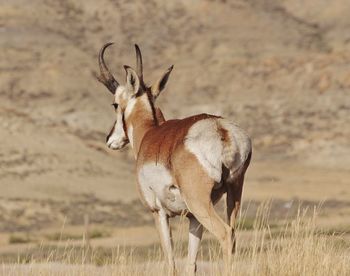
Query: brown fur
point(165, 144)
point(224, 135)
point(160, 116)
point(161, 143)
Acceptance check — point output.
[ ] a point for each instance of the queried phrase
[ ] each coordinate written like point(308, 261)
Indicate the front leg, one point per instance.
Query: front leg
point(194, 239)
point(162, 224)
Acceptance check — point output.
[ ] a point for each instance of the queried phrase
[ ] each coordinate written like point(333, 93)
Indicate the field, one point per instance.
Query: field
point(266, 247)
point(280, 69)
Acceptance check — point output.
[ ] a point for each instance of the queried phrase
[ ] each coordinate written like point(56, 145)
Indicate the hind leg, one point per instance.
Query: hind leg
point(196, 190)
point(202, 208)
point(233, 202)
point(233, 199)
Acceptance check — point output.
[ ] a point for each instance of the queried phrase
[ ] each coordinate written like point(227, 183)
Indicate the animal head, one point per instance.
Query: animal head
point(134, 92)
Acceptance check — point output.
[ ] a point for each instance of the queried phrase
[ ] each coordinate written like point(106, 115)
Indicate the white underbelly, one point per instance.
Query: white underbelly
point(158, 189)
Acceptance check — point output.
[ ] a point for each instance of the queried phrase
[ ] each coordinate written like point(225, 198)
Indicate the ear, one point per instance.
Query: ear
point(161, 83)
point(132, 80)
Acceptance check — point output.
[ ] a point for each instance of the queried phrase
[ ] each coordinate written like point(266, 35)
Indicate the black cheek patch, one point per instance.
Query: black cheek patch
point(111, 132)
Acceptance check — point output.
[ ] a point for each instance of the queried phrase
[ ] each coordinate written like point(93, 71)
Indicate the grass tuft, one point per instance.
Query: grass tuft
point(296, 247)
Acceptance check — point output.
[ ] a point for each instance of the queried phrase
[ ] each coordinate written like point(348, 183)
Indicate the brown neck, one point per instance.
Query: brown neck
point(142, 118)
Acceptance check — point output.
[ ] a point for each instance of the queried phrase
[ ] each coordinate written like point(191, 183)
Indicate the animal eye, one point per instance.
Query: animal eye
point(115, 105)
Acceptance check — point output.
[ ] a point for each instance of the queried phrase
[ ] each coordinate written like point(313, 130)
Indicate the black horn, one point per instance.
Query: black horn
point(139, 65)
point(105, 75)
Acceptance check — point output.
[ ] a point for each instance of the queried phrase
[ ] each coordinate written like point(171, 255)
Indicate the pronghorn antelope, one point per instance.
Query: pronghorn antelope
point(183, 166)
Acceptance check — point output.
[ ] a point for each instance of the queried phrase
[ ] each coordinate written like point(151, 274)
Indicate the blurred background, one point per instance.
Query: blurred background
point(278, 68)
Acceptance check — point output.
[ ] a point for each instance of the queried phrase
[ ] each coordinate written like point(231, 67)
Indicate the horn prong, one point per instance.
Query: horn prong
point(106, 76)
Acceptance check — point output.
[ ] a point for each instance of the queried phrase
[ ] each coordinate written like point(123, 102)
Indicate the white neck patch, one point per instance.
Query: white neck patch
point(130, 107)
point(131, 104)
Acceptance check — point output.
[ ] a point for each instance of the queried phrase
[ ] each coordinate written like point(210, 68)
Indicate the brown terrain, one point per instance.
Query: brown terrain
point(279, 68)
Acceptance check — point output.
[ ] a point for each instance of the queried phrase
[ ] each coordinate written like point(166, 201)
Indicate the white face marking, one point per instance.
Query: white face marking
point(156, 185)
point(117, 139)
point(121, 94)
point(204, 141)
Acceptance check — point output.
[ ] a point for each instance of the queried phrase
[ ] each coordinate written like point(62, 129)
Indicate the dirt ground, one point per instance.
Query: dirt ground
point(280, 69)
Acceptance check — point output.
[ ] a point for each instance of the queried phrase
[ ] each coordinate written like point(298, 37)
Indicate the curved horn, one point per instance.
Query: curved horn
point(106, 77)
point(139, 66)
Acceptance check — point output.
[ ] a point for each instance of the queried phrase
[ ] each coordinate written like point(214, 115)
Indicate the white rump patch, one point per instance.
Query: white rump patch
point(236, 151)
point(204, 141)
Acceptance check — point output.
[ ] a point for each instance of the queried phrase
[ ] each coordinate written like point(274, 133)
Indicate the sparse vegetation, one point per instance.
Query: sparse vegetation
point(246, 223)
point(95, 233)
point(304, 250)
point(63, 236)
point(98, 233)
point(279, 69)
point(19, 238)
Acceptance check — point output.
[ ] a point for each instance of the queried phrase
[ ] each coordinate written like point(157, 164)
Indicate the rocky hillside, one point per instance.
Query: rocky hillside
point(279, 68)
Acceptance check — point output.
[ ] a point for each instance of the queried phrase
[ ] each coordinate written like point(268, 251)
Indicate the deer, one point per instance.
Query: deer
point(183, 166)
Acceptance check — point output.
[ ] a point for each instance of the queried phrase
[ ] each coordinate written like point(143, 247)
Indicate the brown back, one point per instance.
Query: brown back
point(160, 143)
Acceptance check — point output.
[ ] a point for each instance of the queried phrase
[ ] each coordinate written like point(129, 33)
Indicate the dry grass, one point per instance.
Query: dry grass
point(297, 248)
